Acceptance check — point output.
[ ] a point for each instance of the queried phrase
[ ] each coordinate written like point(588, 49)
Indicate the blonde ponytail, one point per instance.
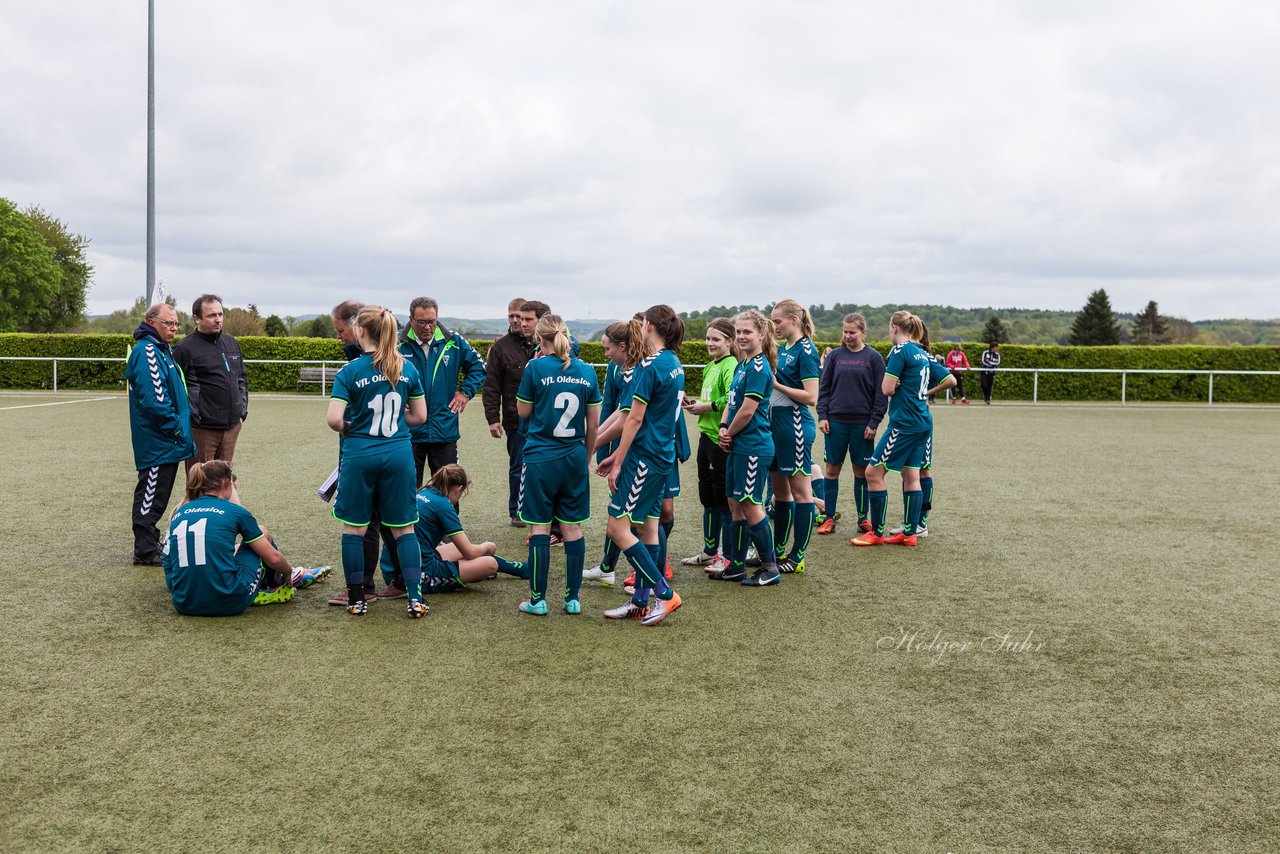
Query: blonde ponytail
point(380, 328)
point(551, 329)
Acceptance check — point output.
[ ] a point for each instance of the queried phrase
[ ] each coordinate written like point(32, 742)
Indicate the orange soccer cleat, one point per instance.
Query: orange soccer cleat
point(870, 538)
point(828, 526)
point(901, 539)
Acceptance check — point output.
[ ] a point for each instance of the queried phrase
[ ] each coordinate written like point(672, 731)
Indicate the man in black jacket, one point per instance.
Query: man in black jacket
point(216, 382)
point(505, 366)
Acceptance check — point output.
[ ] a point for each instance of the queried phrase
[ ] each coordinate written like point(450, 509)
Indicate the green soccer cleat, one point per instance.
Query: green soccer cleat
point(276, 596)
point(572, 606)
point(538, 609)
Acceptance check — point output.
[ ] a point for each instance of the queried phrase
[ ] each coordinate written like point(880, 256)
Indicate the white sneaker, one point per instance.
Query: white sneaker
point(921, 531)
point(700, 559)
point(598, 575)
point(717, 565)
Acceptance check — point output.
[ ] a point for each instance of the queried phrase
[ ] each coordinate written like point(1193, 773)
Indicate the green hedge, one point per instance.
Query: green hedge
point(1009, 386)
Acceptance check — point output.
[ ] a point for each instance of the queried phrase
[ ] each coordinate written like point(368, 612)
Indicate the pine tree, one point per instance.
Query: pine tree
point(1149, 327)
point(994, 331)
point(1095, 324)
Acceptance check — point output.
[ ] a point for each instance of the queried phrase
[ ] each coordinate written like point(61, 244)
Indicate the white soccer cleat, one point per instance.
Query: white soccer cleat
point(598, 575)
point(921, 531)
point(700, 559)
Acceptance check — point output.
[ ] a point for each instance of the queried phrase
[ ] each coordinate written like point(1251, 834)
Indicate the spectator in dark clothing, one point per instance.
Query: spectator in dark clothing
point(505, 366)
point(217, 385)
point(990, 361)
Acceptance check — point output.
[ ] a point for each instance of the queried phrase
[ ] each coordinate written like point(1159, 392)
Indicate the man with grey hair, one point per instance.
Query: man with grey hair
point(451, 372)
point(159, 423)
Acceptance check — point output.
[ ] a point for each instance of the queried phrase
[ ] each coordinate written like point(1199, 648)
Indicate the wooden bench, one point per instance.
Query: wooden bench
point(312, 375)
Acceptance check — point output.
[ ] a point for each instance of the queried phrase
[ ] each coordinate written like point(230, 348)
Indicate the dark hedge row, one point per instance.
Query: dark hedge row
point(1009, 385)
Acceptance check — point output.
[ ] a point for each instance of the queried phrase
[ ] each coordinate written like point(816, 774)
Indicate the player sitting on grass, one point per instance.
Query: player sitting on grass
point(207, 573)
point(909, 379)
point(450, 566)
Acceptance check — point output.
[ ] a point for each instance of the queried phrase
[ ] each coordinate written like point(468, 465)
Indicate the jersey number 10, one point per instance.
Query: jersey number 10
point(386, 414)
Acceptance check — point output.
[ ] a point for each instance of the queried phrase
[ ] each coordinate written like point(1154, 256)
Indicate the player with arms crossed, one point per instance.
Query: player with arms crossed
point(747, 437)
point(639, 468)
point(557, 395)
point(910, 378)
point(376, 398)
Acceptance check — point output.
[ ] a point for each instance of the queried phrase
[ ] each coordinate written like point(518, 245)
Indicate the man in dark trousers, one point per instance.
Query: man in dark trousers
point(506, 361)
point(443, 358)
point(987, 379)
point(217, 386)
point(159, 422)
point(344, 318)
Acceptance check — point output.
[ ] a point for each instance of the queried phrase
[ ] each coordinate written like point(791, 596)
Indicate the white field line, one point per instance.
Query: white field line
point(56, 403)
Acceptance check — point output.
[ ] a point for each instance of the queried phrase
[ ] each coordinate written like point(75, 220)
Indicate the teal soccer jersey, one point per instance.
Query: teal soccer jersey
point(616, 381)
point(658, 383)
point(797, 363)
point(753, 379)
point(374, 408)
point(916, 374)
point(201, 567)
point(437, 521)
point(560, 397)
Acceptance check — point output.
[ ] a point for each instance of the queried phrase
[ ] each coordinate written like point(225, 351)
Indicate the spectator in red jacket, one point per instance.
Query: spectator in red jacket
point(958, 364)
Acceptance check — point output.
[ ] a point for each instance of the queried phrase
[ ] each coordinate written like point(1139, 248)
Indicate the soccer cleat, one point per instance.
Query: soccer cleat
point(538, 609)
point(273, 596)
point(921, 531)
point(392, 591)
point(599, 576)
point(785, 565)
point(572, 606)
point(668, 573)
point(660, 609)
point(700, 559)
point(828, 526)
point(517, 522)
point(629, 584)
point(418, 609)
point(359, 609)
point(304, 578)
point(556, 540)
point(753, 559)
point(868, 539)
point(763, 578)
point(901, 539)
point(864, 525)
point(965, 401)
point(629, 611)
point(728, 574)
point(713, 568)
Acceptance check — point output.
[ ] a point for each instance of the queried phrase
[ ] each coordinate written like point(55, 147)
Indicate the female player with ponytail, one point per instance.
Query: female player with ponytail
point(910, 377)
point(639, 468)
point(624, 347)
point(795, 390)
point(746, 436)
point(717, 376)
point(556, 394)
point(459, 562)
point(376, 398)
point(207, 575)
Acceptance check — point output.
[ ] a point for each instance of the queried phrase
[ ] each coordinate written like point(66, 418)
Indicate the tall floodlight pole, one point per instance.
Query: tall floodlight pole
point(151, 149)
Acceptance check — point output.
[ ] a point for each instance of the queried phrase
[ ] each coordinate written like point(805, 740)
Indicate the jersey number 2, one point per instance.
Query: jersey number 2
point(197, 534)
point(386, 414)
point(569, 403)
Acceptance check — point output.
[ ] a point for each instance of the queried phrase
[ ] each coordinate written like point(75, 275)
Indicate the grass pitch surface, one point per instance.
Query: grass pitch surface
point(1128, 555)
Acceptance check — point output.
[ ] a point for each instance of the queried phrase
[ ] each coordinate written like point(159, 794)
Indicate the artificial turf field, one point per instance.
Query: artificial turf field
point(1136, 546)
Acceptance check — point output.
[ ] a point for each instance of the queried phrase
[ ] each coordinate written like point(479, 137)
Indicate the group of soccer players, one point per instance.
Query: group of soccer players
point(756, 433)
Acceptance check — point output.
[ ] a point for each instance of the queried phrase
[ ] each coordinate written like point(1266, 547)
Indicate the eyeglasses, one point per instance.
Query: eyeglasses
point(417, 321)
point(172, 324)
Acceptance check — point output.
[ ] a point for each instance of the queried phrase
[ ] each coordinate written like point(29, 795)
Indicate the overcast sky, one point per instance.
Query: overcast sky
point(605, 156)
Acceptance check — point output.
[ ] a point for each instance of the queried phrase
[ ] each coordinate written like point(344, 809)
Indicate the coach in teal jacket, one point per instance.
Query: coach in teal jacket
point(159, 421)
point(442, 358)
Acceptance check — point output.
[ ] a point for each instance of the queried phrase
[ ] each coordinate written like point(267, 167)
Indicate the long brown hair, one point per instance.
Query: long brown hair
point(763, 325)
point(724, 326)
point(551, 329)
point(629, 335)
point(447, 477)
point(667, 324)
point(791, 308)
point(380, 328)
point(208, 478)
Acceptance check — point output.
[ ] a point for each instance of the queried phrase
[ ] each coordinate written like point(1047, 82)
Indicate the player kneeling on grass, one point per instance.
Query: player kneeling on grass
point(376, 398)
point(450, 566)
point(909, 381)
point(207, 574)
point(747, 437)
point(558, 395)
